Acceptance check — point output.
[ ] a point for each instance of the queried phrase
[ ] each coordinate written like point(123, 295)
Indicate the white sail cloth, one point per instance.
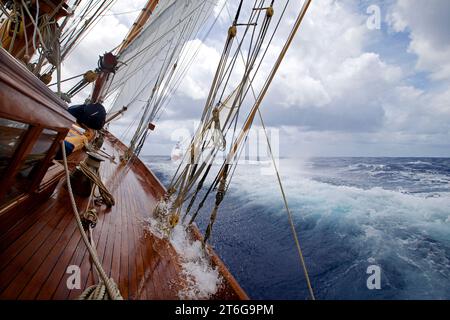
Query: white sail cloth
point(148, 62)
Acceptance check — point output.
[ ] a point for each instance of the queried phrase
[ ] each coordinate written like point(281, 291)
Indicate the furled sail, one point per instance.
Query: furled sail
point(152, 65)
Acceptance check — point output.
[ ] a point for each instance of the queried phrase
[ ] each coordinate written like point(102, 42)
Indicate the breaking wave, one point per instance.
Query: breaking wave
point(347, 219)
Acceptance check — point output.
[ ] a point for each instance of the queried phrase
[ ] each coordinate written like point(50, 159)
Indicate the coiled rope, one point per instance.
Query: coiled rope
point(107, 288)
point(98, 292)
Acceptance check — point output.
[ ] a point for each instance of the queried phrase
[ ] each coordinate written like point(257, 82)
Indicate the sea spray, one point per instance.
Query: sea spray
point(160, 222)
point(201, 278)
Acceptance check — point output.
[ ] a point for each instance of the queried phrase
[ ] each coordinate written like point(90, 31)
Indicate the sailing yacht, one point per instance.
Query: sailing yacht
point(176, 154)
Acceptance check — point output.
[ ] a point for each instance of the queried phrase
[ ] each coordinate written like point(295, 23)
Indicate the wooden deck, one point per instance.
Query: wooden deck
point(36, 251)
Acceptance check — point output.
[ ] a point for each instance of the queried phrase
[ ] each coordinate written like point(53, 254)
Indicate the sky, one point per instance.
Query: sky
point(354, 82)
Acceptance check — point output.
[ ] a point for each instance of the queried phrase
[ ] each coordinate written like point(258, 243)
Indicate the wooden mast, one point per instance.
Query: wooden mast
point(136, 28)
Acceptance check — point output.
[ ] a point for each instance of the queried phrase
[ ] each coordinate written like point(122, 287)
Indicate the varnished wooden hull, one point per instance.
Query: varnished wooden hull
point(37, 249)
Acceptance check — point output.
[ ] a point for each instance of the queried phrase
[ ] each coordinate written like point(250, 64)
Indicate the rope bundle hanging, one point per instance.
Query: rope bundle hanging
point(93, 176)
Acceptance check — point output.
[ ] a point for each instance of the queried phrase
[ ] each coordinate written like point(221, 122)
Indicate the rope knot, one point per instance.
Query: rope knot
point(217, 137)
point(89, 218)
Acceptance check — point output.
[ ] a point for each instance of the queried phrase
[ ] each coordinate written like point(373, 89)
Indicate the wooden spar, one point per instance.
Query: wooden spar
point(136, 28)
point(97, 92)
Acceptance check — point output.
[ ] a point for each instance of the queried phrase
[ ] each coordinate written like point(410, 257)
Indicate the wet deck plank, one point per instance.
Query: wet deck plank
point(36, 251)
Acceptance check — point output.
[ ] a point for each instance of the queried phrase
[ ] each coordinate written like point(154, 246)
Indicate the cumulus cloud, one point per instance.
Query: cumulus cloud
point(197, 82)
point(332, 88)
point(327, 80)
point(428, 24)
point(332, 95)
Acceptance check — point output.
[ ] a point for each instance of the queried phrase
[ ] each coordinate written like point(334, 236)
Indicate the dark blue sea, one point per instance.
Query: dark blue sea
point(350, 213)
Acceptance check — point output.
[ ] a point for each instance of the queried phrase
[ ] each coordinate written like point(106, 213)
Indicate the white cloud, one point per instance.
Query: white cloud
point(197, 82)
point(428, 24)
point(343, 88)
point(331, 93)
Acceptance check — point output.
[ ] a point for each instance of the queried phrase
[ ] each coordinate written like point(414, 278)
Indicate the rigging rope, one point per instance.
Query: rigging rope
point(187, 65)
point(152, 43)
point(221, 177)
point(74, 39)
point(108, 283)
point(167, 80)
point(290, 218)
point(35, 23)
point(291, 221)
point(164, 34)
point(220, 76)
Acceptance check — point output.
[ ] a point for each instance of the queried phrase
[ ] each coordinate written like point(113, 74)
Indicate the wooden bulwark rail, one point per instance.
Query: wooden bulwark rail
point(26, 100)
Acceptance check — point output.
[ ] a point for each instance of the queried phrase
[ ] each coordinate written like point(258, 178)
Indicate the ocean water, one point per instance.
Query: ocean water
point(350, 213)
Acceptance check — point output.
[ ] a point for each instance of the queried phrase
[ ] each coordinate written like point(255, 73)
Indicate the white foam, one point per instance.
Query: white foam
point(202, 279)
point(419, 162)
point(371, 166)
